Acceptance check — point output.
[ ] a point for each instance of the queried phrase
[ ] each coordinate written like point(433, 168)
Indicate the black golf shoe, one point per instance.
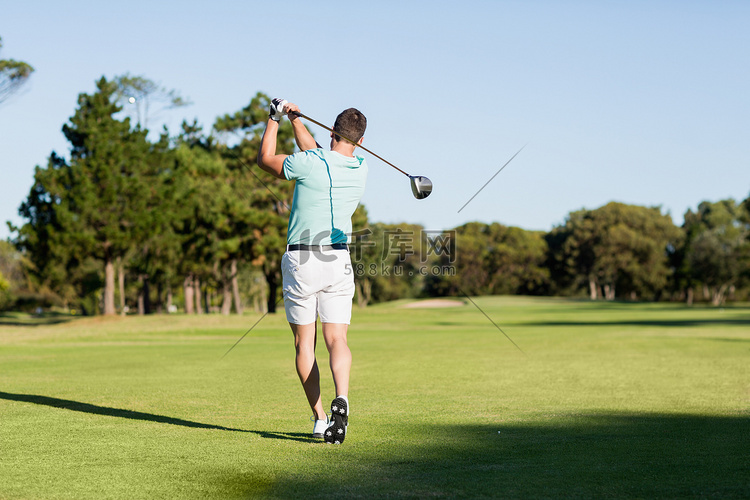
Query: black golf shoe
point(336, 431)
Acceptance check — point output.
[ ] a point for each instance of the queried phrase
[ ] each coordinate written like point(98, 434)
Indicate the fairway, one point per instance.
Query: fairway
point(607, 400)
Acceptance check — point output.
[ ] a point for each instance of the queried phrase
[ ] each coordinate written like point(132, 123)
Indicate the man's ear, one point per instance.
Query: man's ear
point(360, 140)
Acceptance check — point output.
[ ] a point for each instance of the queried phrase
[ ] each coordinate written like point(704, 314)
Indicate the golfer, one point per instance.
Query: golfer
point(318, 279)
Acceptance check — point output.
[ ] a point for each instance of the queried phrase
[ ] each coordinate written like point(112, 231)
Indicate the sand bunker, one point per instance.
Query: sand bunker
point(430, 303)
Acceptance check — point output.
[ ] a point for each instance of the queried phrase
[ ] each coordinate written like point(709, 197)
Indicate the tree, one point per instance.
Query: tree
point(614, 249)
point(361, 255)
point(55, 267)
point(388, 260)
point(493, 259)
point(473, 247)
point(515, 261)
point(100, 203)
point(13, 74)
point(219, 225)
point(199, 170)
point(717, 246)
point(268, 197)
point(11, 274)
point(153, 258)
point(144, 99)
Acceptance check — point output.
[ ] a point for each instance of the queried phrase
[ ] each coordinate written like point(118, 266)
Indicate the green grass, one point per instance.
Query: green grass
point(611, 400)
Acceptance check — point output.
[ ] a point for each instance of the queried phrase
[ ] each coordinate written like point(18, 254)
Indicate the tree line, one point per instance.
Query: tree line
point(617, 251)
point(187, 222)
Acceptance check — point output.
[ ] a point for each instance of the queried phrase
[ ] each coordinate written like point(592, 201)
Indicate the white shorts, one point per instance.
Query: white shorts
point(317, 283)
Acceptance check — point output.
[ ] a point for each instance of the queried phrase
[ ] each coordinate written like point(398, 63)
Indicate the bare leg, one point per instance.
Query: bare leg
point(305, 338)
point(339, 354)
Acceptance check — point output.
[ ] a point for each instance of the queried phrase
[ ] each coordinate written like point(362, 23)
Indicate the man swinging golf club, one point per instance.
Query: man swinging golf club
point(318, 279)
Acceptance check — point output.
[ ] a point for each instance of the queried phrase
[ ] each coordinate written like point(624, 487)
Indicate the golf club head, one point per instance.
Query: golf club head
point(421, 186)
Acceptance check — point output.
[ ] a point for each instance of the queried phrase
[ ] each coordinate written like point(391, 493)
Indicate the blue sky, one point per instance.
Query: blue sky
point(639, 102)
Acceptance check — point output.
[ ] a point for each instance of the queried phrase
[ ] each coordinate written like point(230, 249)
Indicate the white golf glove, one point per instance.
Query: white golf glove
point(277, 109)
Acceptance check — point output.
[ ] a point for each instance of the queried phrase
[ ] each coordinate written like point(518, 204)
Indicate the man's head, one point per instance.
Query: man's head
point(350, 123)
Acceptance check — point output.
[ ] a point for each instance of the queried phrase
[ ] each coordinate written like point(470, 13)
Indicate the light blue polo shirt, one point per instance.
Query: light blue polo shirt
point(328, 188)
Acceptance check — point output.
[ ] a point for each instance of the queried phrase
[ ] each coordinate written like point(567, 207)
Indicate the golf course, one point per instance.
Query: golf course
point(595, 400)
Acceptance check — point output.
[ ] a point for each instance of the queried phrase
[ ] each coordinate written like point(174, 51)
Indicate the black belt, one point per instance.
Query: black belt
point(314, 248)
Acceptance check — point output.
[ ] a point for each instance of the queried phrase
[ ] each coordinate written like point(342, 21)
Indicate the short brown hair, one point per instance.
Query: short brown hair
point(351, 123)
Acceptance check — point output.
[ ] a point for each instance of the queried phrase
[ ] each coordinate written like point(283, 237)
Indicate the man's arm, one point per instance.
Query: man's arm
point(303, 136)
point(268, 160)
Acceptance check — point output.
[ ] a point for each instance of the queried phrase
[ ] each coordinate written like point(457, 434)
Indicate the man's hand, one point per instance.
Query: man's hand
point(291, 110)
point(276, 109)
point(303, 137)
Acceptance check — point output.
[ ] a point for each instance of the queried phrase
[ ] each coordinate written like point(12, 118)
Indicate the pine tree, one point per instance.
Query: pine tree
point(99, 204)
point(13, 74)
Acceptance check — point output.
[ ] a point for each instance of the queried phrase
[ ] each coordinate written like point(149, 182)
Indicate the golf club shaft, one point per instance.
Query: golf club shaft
point(316, 122)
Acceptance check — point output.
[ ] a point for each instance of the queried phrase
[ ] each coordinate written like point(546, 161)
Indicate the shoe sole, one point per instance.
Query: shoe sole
point(336, 432)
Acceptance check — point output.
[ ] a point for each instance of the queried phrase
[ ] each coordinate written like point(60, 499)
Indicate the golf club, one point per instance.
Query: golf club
point(421, 186)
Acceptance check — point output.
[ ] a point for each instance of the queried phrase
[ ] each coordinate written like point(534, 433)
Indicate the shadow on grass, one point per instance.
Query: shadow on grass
point(137, 415)
point(23, 319)
point(668, 323)
point(607, 455)
point(721, 339)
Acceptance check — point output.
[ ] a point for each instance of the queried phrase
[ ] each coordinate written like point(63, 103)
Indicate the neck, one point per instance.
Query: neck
point(343, 148)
